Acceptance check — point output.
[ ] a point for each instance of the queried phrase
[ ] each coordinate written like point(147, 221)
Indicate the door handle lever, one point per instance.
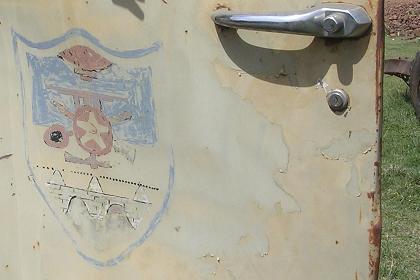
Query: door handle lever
point(332, 20)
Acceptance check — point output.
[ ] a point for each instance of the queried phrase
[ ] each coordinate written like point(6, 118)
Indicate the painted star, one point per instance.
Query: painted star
point(93, 130)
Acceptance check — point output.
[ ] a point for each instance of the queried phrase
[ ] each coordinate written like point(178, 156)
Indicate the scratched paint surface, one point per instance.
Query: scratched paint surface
point(109, 111)
point(229, 135)
point(133, 91)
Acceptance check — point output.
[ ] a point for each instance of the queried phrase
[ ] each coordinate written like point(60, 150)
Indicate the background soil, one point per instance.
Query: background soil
point(402, 18)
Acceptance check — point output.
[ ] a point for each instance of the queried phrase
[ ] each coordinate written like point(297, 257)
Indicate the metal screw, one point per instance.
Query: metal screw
point(338, 100)
point(333, 23)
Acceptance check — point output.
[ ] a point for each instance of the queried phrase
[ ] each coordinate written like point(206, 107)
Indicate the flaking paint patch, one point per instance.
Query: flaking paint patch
point(287, 202)
point(266, 250)
point(348, 148)
point(366, 172)
point(353, 185)
point(232, 78)
point(220, 6)
point(176, 269)
point(126, 150)
point(256, 244)
point(117, 256)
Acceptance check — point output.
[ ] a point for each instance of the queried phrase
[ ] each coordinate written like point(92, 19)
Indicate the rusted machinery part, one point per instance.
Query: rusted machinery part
point(398, 67)
point(409, 71)
point(415, 84)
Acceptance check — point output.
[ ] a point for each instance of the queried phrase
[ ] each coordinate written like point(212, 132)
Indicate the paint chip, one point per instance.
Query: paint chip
point(345, 148)
point(287, 203)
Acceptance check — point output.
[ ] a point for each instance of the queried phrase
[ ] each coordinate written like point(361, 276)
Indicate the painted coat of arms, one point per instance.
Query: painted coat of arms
point(91, 141)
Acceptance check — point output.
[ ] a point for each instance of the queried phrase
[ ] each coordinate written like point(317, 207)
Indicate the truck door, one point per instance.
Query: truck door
point(190, 139)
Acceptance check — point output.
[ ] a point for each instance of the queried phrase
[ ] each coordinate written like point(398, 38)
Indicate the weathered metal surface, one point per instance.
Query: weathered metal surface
point(415, 84)
point(398, 67)
point(409, 71)
point(375, 195)
point(226, 160)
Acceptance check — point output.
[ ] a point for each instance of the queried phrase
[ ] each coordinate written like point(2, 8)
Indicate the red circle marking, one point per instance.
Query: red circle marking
point(92, 130)
point(56, 128)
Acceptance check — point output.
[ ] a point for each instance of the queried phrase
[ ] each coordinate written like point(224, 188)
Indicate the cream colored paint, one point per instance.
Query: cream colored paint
point(269, 183)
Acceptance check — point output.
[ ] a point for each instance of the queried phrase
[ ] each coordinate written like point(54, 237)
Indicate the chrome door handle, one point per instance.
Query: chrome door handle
point(332, 20)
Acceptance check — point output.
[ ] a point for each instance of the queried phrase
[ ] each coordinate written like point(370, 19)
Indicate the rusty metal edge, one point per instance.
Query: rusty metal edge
point(399, 66)
point(375, 196)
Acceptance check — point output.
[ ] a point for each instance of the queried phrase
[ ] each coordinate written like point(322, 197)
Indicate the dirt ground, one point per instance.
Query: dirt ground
point(402, 18)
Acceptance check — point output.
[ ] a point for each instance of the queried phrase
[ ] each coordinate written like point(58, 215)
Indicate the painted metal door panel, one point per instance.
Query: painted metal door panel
point(140, 141)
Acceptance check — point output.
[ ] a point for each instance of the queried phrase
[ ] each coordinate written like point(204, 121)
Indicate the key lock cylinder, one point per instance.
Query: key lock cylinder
point(338, 100)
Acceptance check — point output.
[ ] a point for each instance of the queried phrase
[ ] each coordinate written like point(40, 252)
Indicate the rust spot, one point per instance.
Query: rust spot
point(222, 6)
point(336, 242)
point(371, 196)
point(375, 234)
point(380, 39)
point(86, 62)
point(374, 266)
point(376, 225)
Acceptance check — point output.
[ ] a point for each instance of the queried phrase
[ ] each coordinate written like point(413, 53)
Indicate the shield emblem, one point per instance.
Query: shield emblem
point(91, 143)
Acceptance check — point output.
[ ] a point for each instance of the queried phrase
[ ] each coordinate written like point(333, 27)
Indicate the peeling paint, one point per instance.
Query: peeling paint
point(353, 185)
point(374, 234)
point(347, 148)
point(229, 77)
point(326, 156)
point(265, 251)
point(220, 6)
point(255, 244)
point(126, 150)
point(287, 202)
point(323, 85)
point(273, 147)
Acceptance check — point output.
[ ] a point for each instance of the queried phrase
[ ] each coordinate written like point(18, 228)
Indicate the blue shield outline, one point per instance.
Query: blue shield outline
point(16, 39)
